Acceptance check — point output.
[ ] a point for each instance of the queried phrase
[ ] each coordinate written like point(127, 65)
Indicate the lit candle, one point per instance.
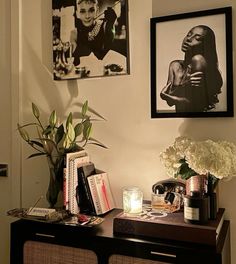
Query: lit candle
point(132, 200)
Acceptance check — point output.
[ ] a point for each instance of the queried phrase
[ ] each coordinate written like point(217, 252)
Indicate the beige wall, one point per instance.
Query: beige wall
point(134, 139)
point(124, 101)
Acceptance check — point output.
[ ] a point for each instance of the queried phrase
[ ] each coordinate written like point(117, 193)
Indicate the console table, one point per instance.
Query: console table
point(35, 242)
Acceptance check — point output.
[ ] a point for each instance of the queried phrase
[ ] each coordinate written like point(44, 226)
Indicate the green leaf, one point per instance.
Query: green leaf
point(71, 132)
point(185, 171)
point(53, 118)
point(47, 131)
point(86, 123)
point(87, 131)
point(85, 108)
point(35, 111)
point(39, 144)
point(69, 120)
point(36, 155)
point(59, 134)
point(79, 129)
point(98, 144)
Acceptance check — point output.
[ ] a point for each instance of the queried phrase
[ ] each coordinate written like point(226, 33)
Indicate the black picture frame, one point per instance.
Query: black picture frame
point(87, 45)
point(166, 34)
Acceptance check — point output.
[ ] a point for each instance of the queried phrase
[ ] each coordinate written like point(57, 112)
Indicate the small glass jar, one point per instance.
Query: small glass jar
point(132, 200)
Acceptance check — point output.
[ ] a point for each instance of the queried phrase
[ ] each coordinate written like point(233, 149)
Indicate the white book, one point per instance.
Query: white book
point(94, 193)
point(101, 192)
point(66, 175)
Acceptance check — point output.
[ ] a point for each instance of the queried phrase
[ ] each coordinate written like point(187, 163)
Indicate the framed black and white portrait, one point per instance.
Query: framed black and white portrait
point(191, 64)
point(90, 38)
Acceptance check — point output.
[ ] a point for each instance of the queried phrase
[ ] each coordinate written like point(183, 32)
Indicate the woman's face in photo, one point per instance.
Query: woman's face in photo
point(193, 39)
point(86, 12)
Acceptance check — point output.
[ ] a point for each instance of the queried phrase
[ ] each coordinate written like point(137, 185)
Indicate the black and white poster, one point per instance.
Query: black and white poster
point(191, 64)
point(90, 38)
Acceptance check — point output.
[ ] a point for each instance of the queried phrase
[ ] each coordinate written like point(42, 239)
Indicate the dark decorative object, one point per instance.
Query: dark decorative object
point(212, 197)
point(196, 209)
point(199, 82)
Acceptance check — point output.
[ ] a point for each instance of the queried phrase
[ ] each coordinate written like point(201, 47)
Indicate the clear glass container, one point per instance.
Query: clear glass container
point(168, 202)
point(132, 200)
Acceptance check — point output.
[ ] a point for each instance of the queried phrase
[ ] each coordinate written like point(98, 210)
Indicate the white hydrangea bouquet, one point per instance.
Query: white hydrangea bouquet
point(186, 158)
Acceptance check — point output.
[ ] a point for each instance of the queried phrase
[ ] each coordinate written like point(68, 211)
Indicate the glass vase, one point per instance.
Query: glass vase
point(56, 167)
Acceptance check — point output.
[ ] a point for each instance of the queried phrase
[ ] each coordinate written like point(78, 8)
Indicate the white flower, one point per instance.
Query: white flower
point(203, 157)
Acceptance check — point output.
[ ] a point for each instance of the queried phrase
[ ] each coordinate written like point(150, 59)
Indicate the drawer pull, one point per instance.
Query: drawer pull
point(44, 235)
point(163, 254)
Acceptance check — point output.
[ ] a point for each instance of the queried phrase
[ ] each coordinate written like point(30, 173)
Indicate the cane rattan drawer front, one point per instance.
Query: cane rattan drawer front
point(44, 253)
point(120, 259)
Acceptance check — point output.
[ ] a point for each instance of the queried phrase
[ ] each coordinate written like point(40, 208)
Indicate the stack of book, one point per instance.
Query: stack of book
point(86, 189)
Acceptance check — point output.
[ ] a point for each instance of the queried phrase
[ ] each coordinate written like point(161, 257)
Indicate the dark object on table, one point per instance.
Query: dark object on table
point(195, 209)
point(171, 226)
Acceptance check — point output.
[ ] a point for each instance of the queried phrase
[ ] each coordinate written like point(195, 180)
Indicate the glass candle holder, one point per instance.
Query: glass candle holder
point(132, 200)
